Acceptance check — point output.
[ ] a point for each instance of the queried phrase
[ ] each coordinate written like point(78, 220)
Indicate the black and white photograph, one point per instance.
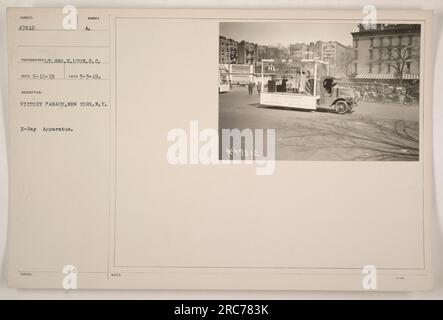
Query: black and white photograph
point(331, 91)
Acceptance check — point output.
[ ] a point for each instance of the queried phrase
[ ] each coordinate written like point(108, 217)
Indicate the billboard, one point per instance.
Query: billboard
point(242, 68)
point(329, 52)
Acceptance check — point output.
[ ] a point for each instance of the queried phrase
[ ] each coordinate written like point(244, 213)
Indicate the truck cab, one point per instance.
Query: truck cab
point(341, 98)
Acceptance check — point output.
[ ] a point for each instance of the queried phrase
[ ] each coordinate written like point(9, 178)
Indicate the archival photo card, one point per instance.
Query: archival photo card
point(128, 170)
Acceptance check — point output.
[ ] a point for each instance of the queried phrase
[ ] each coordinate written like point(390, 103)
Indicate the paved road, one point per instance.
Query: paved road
point(373, 131)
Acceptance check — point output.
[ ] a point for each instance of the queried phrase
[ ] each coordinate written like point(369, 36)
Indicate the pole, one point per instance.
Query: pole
point(262, 77)
point(315, 78)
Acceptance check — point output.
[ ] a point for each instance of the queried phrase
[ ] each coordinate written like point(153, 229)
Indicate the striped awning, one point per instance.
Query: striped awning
point(386, 76)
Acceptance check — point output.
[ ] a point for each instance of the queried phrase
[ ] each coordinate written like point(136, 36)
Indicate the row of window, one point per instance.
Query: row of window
point(388, 40)
point(388, 54)
point(231, 55)
point(228, 49)
point(389, 68)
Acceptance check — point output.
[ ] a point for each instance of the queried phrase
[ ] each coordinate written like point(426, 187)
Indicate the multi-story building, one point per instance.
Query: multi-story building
point(338, 56)
point(227, 50)
point(247, 52)
point(317, 49)
point(387, 52)
point(311, 53)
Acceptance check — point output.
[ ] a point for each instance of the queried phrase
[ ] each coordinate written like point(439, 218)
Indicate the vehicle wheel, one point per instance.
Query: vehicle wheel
point(341, 107)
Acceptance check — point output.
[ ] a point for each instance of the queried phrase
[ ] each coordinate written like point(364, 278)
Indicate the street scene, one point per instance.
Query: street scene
point(345, 93)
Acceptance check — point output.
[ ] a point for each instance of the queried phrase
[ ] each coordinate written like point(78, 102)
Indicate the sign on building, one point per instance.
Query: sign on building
point(329, 52)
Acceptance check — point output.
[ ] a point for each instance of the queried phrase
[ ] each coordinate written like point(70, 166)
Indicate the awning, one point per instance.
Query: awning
point(386, 76)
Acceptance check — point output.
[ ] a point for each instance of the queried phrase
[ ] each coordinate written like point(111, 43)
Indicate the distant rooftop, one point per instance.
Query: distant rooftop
point(387, 28)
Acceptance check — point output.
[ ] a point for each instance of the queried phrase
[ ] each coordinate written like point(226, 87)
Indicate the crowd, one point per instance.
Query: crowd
point(386, 93)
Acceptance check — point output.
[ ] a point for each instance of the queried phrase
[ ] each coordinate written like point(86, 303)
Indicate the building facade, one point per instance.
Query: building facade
point(315, 50)
point(339, 58)
point(227, 51)
point(247, 52)
point(387, 52)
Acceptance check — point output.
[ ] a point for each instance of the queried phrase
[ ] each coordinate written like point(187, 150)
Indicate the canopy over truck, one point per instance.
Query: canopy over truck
point(310, 89)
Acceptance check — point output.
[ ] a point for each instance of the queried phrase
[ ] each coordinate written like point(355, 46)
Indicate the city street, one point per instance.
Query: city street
point(373, 131)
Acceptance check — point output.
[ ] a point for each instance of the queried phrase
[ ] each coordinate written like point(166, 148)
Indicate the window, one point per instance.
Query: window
point(356, 43)
point(380, 54)
point(371, 53)
point(408, 67)
point(355, 68)
point(390, 41)
point(372, 42)
point(410, 40)
point(379, 68)
point(389, 68)
point(381, 41)
point(400, 40)
point(370, 68)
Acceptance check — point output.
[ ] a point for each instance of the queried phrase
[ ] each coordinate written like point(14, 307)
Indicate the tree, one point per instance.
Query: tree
point(398, 57)
point(344, 62)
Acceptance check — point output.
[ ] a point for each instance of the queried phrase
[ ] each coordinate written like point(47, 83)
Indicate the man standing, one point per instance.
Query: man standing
point(302, 84)
point(259, 87)
point(250, 88)
point(357, 95)
point(365, 95)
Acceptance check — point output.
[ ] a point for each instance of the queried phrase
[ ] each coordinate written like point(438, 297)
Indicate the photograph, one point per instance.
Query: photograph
point(331, 91)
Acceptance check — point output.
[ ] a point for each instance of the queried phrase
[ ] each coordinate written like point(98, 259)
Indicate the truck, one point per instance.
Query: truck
point(309, 93)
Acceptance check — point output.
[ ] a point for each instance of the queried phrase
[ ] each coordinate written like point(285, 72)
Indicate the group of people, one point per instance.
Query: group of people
point(300, 83)
point(251, 86)
point(385, 94)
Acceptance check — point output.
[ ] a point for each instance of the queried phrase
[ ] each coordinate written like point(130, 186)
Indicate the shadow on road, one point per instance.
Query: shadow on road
point(364, 139)
point(260, 106)
point(319, 109)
